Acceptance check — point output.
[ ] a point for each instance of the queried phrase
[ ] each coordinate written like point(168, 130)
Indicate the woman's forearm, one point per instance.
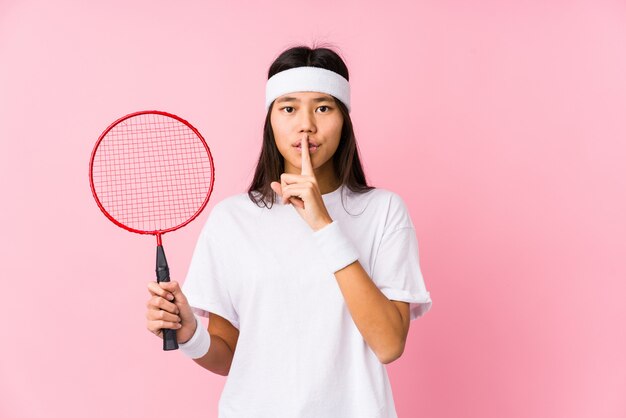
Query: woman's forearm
point(376, 317)
point(219, 357)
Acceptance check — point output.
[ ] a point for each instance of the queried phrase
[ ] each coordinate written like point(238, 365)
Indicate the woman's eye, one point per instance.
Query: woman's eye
point(290, 109)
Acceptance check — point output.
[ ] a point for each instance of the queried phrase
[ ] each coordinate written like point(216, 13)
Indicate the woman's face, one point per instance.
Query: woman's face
point(316, 114)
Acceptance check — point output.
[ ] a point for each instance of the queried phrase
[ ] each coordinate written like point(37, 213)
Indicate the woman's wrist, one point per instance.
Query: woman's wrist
point(325, 222)
point(199, 343)
point(335, 247)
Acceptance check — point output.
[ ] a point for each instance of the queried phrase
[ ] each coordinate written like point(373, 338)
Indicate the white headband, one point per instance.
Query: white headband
point(307, 79)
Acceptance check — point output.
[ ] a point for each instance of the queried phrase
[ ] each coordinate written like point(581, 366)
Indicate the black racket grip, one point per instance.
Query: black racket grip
point(163, 275)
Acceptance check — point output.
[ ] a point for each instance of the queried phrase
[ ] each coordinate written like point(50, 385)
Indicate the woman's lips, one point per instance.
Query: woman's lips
point(312, 148)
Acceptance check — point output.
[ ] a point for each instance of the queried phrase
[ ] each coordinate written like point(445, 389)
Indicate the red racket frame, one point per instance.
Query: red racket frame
point(157, 232)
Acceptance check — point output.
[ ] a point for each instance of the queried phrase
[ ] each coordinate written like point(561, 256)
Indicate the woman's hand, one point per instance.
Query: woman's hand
point(303, 192)
point(168, 308)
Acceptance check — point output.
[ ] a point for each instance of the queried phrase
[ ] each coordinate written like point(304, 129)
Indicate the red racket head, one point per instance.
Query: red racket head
point(151, 172)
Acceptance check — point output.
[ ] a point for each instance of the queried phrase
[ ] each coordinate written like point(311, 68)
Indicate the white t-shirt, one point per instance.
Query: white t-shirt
point(299, 353)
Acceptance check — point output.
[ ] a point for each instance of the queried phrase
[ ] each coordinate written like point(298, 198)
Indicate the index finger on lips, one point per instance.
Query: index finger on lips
point(307, 168)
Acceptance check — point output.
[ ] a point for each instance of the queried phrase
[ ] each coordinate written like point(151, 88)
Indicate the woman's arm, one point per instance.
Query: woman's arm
point(168, 308)
point(219, 357)
point(383, 323)
point(224, 337)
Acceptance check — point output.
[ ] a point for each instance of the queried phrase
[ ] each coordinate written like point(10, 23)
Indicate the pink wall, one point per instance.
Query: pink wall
point(501, 125)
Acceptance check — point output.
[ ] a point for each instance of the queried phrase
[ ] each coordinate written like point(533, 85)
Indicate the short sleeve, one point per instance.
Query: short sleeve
point(206, 284)
point(396, 270)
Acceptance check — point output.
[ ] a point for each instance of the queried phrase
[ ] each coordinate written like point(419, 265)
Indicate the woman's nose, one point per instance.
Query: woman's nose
point(307, 121)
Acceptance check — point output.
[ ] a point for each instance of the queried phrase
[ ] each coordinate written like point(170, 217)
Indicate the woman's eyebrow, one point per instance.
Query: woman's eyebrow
point(294, 99)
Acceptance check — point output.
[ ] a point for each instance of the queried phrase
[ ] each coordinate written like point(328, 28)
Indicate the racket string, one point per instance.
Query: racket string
point(151, 172)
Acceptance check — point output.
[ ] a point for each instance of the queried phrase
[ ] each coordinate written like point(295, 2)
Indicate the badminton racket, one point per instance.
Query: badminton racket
point(151, 172)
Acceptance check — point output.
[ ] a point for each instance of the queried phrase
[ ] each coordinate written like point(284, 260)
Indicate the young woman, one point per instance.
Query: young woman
point(311, 278)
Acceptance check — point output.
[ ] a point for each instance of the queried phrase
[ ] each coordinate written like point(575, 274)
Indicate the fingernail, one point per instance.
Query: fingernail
point(170, 296)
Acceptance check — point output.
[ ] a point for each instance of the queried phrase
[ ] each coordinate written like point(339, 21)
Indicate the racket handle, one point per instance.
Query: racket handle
point(163, 275)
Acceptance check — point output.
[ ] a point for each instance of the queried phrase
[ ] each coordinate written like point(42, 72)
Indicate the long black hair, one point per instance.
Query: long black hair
point(346, 162)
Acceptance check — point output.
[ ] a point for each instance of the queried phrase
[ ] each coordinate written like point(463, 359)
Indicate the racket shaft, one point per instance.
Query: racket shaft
point(163, 275)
